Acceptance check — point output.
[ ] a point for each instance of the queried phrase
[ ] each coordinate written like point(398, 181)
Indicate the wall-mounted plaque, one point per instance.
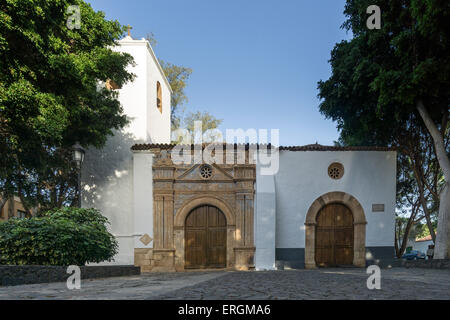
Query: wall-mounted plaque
point(378, 207)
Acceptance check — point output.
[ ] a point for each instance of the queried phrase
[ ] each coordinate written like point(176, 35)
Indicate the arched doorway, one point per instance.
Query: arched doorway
point(334, 236)
point(359, 226)
point(205, 238)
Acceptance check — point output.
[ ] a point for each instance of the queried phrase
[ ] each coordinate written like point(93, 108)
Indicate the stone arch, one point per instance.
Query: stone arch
point(191, 204)
point(179, 230)
point(359, 222)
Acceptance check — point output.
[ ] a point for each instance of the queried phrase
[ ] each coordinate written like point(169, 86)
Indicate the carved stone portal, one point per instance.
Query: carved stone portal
point(179, 189)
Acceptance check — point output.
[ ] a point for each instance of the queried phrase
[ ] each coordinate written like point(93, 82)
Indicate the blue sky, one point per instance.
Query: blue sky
point(255, 63)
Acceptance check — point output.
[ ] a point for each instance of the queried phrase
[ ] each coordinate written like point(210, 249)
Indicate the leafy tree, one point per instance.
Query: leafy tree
point(415, 202)
point(50, 95)
point(391, 82)
point(422, 229)
point(151, 39)
point(177, 77)
point(208, 123)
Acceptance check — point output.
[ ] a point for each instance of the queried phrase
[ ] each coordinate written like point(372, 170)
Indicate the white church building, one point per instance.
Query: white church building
point(325, 206)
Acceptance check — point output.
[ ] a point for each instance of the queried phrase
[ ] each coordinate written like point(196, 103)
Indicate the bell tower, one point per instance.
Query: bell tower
point(146, 100)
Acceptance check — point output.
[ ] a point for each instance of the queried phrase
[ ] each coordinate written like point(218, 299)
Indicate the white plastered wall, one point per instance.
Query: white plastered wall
point(265, 222)
point(370, 177)
point(143, 197)
point(108, 176)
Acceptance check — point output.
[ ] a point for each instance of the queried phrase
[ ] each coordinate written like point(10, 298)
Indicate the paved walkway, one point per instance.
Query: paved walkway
point(396, 283)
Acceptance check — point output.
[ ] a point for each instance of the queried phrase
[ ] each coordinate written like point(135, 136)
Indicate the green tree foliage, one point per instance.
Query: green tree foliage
point(419, 178)
point(379, 75)
point(422, 229)
point(207, 119)
point(50, 92)
point(177, 77)
point(208, 123)
point(391, 86)
point(68, 236)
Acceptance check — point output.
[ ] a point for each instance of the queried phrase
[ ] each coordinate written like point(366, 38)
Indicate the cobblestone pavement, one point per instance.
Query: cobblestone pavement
point(396, 283)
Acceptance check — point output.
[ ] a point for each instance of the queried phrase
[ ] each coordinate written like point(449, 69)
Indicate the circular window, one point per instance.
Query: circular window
point(206, 171)
point(336, 170)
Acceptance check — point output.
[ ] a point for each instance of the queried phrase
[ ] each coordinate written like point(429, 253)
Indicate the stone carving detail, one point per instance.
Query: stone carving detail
point(162, 185)
point(336, 170)
point(177, 189)
point(197, 173)
point(145, 239)
point(163, 159)
point(206, 171)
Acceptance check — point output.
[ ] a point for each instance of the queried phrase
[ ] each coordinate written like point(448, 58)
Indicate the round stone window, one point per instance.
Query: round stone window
point(336, 170)
point(206, 171)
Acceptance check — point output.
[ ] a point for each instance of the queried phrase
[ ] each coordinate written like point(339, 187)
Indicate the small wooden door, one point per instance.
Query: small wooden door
point(205, 238)
point(334, 236)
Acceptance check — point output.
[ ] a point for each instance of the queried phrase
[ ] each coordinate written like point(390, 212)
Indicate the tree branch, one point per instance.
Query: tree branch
point(424, 203)
point(438, 140)
point(444, 122)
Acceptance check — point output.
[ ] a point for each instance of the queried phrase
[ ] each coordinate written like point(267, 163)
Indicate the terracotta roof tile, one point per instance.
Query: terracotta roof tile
point(426, 238)
point(309, 147)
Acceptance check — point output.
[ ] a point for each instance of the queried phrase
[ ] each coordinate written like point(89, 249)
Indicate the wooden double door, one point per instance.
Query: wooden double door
point(205, 238)
point(334, 236)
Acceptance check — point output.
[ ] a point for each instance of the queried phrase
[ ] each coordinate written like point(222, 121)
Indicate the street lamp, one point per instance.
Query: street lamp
point(78, 158)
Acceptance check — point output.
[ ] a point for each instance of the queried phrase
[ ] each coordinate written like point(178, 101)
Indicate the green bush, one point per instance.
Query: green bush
point(68, 236)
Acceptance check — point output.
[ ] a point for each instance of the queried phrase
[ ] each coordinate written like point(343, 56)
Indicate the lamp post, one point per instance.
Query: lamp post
point(78, 158)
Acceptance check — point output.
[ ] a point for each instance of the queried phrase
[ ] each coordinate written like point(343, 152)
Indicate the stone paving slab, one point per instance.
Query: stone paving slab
point(349, 284)
point(144, 286)
point(396, 283)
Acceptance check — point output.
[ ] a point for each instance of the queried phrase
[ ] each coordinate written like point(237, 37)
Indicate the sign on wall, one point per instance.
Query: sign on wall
point(378, 207)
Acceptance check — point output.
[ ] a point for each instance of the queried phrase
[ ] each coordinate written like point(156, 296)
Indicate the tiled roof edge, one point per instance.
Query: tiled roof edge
point(313, 147)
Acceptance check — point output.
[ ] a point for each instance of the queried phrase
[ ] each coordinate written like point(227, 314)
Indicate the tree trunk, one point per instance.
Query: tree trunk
point(397, 251)
point(25, 206)
point(11, 207)
point(422, 199)
point(404, 241)
point(406, 235)
point(426, 212)
point(2, 204)
point(442, 246)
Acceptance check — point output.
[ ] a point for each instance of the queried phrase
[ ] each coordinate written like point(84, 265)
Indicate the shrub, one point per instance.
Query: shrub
point(68, 236)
